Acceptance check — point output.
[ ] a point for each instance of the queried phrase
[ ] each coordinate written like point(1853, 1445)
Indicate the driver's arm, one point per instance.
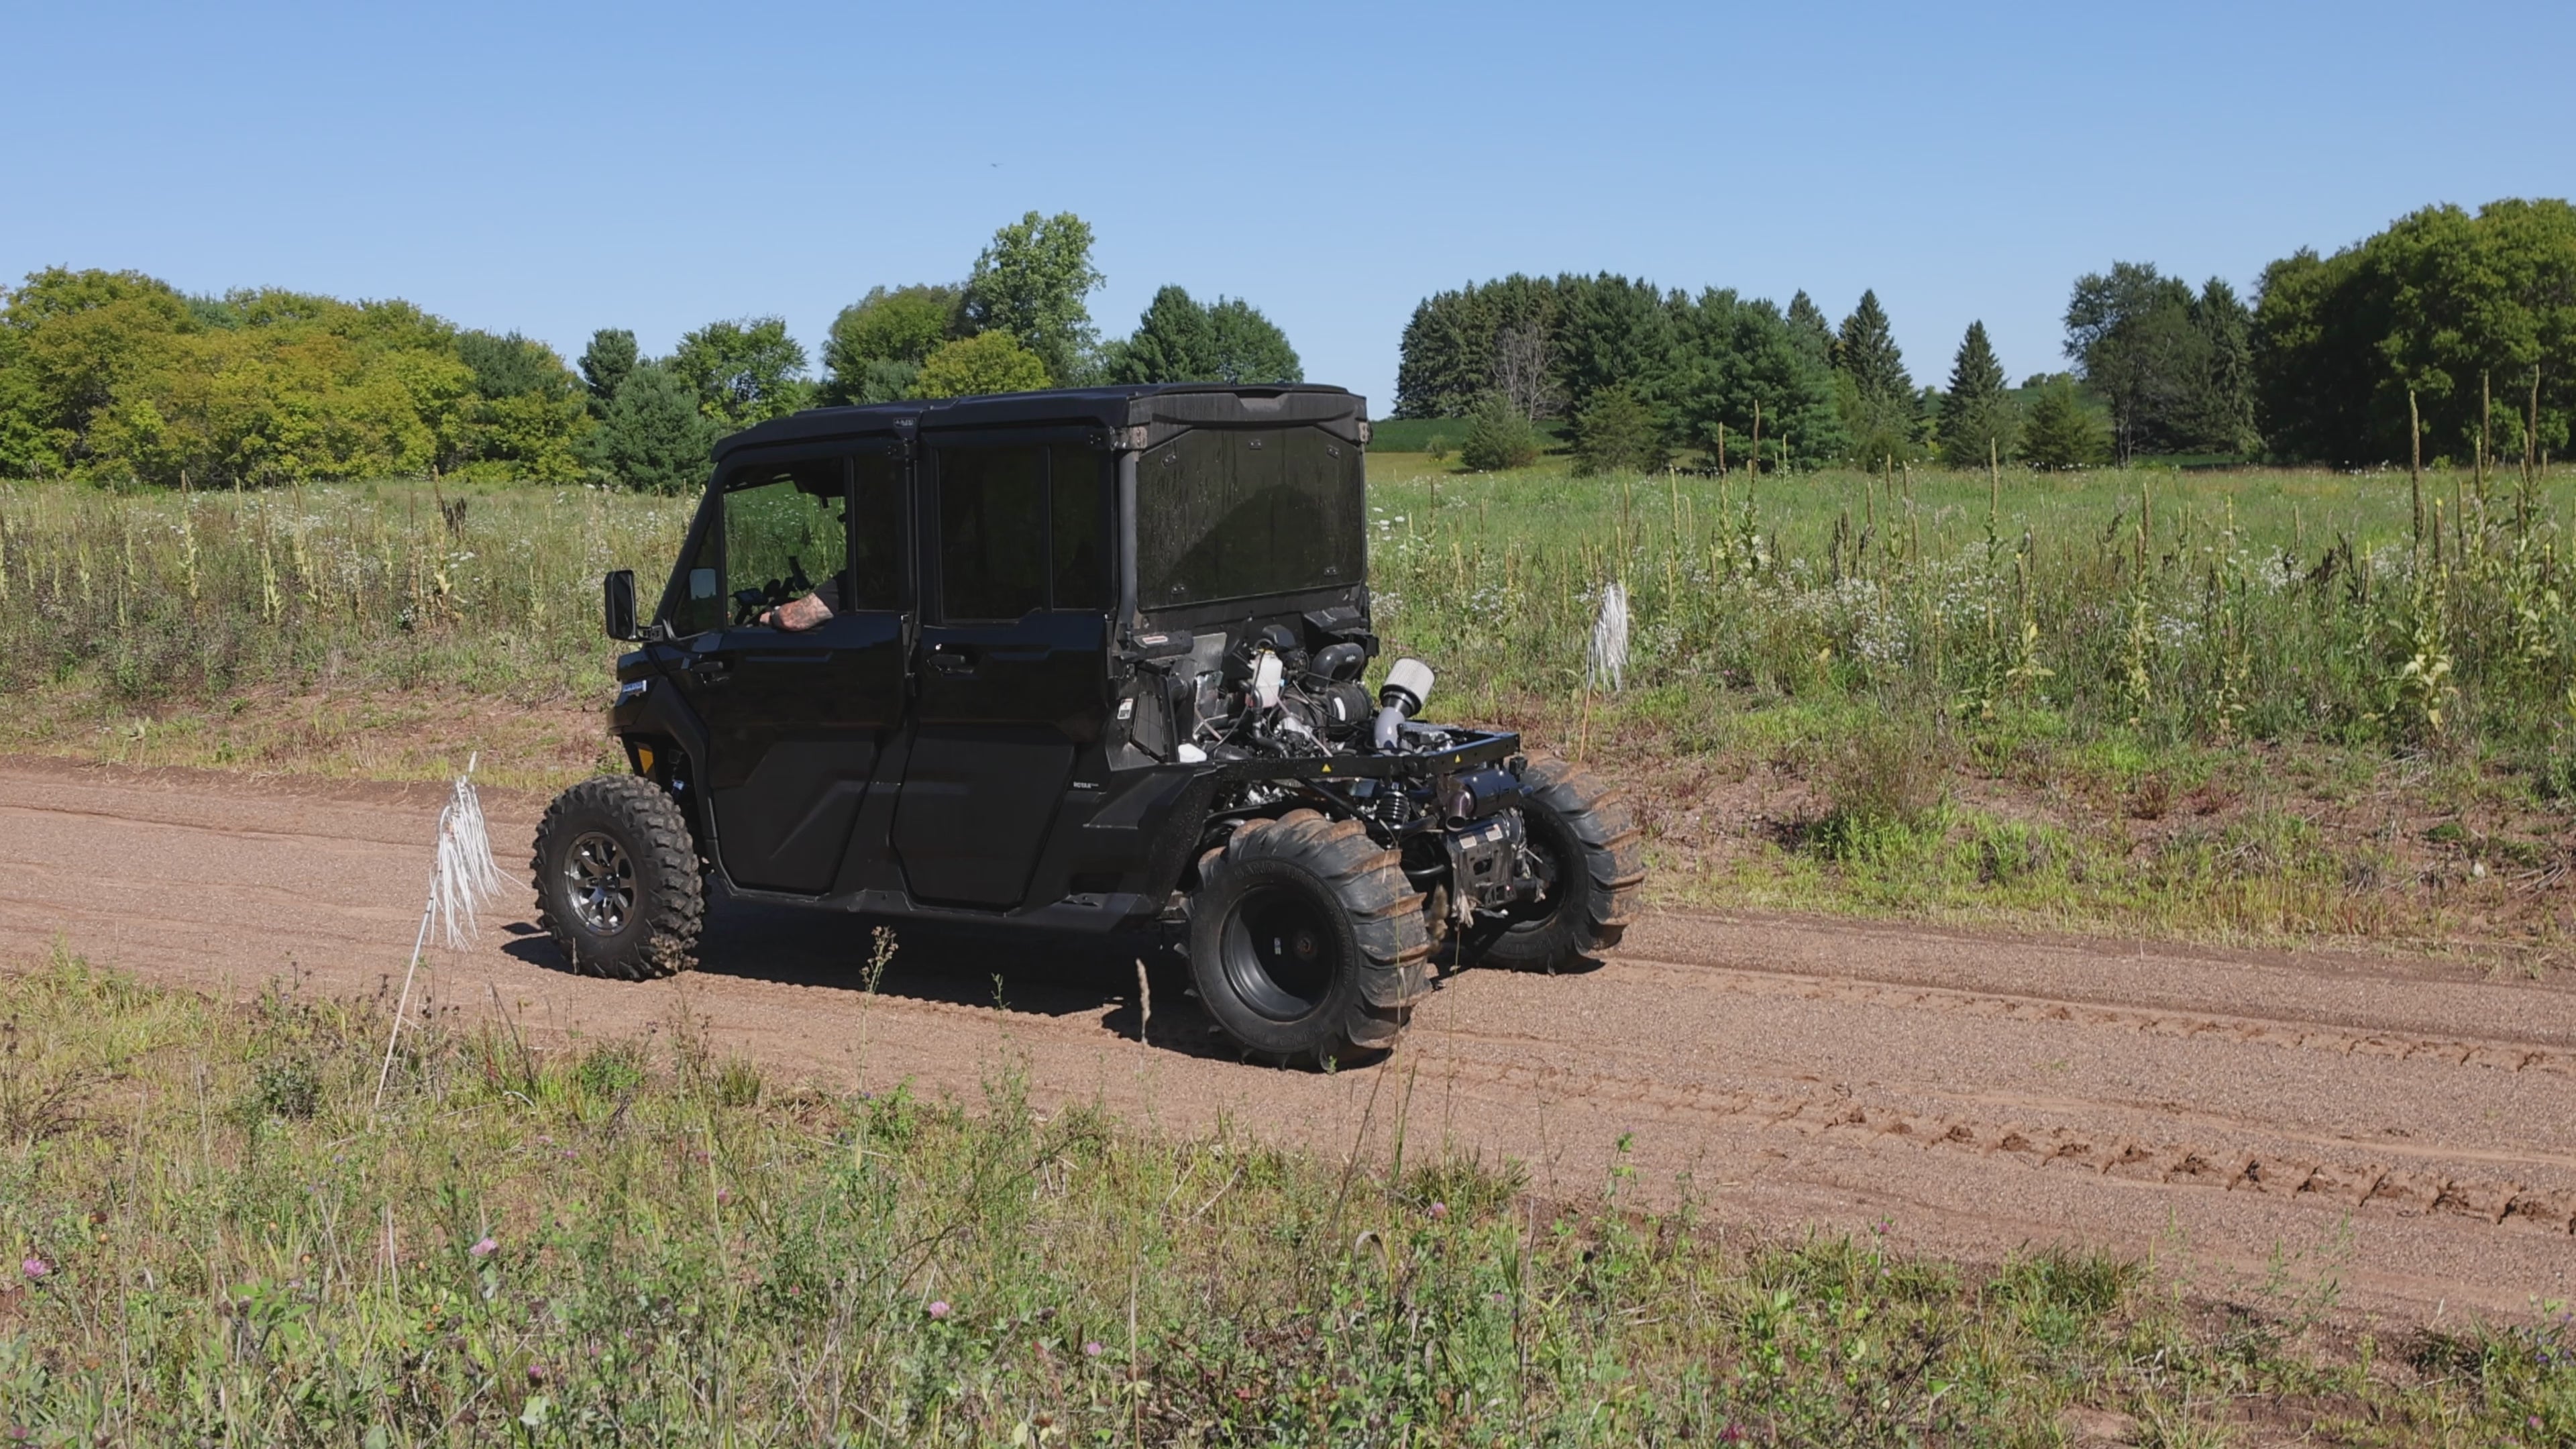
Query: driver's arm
point(808, 611)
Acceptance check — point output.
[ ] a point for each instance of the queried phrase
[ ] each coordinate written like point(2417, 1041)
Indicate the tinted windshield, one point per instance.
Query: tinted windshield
point(1227, 514)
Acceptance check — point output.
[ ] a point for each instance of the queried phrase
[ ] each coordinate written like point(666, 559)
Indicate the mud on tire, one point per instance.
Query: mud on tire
point(617, 877)
point(1307, 943)
point(1583, 827)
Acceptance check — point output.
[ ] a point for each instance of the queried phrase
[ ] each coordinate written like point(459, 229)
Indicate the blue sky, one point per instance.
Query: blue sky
point(559, 168)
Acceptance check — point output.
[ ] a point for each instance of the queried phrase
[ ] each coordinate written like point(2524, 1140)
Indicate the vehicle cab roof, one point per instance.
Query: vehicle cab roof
point(1159, 408)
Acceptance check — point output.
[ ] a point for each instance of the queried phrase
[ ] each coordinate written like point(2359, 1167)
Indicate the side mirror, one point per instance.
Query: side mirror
point(617, 605)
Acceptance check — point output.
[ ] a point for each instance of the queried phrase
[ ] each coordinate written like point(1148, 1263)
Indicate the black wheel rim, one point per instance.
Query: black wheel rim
point(1560, 858)
point(600, 881)
point(1279, 951)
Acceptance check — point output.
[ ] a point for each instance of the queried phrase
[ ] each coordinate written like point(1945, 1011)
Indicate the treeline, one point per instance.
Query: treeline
point(117, 376)
point(2435, 314)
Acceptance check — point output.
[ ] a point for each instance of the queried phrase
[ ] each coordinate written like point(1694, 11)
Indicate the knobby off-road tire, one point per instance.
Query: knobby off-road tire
point(1583, 828)
point(618, 882)
point(1307, 943)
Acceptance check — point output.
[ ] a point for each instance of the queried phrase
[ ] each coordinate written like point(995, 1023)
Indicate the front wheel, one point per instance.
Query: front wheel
point(1594, 858)
point(1307, 943)
point(617, 879)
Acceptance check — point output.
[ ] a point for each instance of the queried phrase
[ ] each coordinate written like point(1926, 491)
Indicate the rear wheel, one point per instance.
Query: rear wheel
point(1594, 856)
point(1307, 942)
point(617, 879)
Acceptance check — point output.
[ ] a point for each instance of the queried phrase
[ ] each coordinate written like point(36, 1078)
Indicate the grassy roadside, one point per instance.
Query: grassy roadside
point(215, 1239)
point(2243, 706)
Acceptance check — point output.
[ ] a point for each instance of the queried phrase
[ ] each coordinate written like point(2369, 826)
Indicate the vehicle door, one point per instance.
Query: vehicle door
point(797, 719)
point(1011, 667)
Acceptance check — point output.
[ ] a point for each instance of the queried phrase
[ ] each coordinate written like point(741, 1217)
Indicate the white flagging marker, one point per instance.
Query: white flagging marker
point(1608, 662)
point(463, 878)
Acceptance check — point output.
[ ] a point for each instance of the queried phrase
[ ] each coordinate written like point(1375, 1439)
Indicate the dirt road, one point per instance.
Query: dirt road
point(2401, 1127)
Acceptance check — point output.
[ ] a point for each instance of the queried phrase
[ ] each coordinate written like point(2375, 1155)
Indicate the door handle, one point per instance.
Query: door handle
point(950, 660)
point(711, 671)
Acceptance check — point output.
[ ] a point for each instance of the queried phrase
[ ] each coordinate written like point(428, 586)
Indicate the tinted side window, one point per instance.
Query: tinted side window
point(992, 532)
point(1078, 514)
point(784, 533)
point(876, 532)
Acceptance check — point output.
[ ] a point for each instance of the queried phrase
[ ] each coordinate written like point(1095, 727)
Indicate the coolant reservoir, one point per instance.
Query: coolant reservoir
point(1266, 674)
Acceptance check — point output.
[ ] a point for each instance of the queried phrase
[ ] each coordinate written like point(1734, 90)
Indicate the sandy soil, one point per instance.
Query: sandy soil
point(2401, 1127)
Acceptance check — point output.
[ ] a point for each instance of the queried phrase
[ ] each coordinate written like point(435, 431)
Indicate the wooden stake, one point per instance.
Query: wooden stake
point(2486, 420)
point(1994, 484)
point(2415, 465)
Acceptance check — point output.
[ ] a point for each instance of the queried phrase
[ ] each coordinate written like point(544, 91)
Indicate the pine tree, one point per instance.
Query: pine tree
point(1174, 342)
point(653, 438)
point(605, 364)
point(1808, 325)
point(1866, 350)
point(2061, 431)
point(1977, 416)
point(2221, 408)
point(1615, 433)
point(1879, 408)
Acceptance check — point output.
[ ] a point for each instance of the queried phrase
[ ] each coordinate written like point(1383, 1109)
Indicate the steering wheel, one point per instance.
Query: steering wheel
point(750, 604)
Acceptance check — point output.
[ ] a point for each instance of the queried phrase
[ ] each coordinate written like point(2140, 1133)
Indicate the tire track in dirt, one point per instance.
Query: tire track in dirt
point(1843, 1116)
point(1967, 1093)
point(2493, 1054)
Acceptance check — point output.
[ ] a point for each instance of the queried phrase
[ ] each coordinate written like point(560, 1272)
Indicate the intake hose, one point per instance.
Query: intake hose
point(1407, 685)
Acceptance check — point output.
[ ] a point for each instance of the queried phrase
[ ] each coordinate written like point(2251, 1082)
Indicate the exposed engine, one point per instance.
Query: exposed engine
point(1263, 695)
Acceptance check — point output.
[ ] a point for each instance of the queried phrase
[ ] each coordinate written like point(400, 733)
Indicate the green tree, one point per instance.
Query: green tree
point(2218, 412)
point(1249, 346)
point(1174, 341)
point(604, 364)
point(1737, 356)
point(1030, 284)
point(1977, 413)
point(1808, 325)
point(2131, 334)
point(656, 438)
point(1609, 331)
point(2058, 430)
point(986, 363)
point(1499, 436)
point(1443, 361)
point(1448, 359)
point(76, 337)
point(745, 372)
point(527, 415)
point(1616, 433)
point(1179, 340)
point(875, 339)
point(2439, 302)
point(1876, 396)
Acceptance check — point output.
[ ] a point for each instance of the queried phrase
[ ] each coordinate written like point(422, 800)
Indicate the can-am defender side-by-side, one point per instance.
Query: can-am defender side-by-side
point(1094, 661)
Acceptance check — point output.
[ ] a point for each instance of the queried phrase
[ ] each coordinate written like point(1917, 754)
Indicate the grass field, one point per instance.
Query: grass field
point(2246, 704)
point(221, 1239)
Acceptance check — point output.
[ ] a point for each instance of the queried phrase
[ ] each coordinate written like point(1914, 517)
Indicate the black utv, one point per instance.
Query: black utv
point(1086, 660)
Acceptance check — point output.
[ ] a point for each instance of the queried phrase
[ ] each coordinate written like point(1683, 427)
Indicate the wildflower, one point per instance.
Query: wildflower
point(1439, 1210)
point(938, 1308)
point(485, 1248)
point(36, 1267)
point(1093, 1349)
